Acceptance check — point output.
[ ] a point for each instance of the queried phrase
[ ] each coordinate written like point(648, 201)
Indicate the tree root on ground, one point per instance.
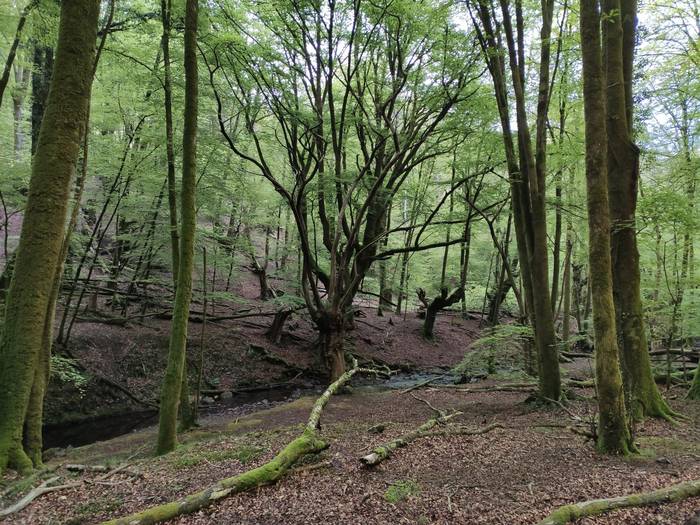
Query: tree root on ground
point(569, 513)
point(441, 417)
point(308, 443)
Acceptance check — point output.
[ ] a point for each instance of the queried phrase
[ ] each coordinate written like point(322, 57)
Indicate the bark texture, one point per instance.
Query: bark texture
point(569, 513)
point(623, 180)
point(613, 431)
point(172, 384)
point(43, 229)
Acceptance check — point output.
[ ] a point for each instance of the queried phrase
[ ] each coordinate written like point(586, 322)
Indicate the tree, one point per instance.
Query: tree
point(527, 167)
point(432, 308)
point(623, 182)
point(172, 384)
point(43, 228)
point(353, 119)
point(613, 432)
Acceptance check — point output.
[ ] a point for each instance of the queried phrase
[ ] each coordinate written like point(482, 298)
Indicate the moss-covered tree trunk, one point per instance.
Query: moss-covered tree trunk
point(172, 384)
point(623, 180)
point(34, 418)
point(613, 432)
point(43, 229)
point(527, 173)
point(187, 414)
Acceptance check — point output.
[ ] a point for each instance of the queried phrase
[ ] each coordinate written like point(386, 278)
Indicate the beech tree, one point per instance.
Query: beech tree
point(43, 228)
point(172, 384)
point(613, 432)
point(623, 183)
point(501, 39)
point(358, 98)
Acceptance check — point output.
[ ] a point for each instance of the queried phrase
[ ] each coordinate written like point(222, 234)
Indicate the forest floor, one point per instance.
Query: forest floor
point(514, 475)
point(134, 355)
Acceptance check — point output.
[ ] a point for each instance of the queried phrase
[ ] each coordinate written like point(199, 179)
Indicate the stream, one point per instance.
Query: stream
point(85, 432)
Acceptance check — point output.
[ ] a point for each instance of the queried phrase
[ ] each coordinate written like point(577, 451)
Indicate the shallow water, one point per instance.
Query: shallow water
point(102, 428)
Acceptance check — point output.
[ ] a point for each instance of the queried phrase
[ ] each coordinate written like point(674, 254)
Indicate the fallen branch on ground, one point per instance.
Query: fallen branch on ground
point(569, 513)
point(44, 488)
point(507, 387)
point(573, 355)
point(108, 471)
point(441, 417)
point(308, 443)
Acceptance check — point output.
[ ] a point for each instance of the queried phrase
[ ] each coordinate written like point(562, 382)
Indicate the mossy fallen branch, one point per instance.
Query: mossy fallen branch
point(441, 417)
point(569, 513)
point(308, 443)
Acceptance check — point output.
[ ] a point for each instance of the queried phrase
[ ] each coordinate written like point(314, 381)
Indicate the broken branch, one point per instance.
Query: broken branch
point(569, 513)
point(308, 443)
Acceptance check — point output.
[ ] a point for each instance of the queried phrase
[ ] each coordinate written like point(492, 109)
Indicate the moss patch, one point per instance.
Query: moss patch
point(244, 454)
point(670, 445)
point(401, 490)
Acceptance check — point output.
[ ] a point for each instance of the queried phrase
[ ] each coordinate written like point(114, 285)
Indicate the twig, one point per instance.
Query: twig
point(440, 413)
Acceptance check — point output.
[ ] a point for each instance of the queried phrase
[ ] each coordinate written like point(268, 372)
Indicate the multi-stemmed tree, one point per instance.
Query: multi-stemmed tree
point(341, 101)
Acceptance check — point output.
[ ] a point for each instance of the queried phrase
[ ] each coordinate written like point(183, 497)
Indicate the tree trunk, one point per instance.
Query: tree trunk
point(165, 14)
point(566, 291)
point(174, 375)
point(623, 176)
point(556, 250)
point(433, 307)
point(274, 333)
point(43, 229)
point(22, 76)
point(613, 432)
point(385, 291)
point(332, 343)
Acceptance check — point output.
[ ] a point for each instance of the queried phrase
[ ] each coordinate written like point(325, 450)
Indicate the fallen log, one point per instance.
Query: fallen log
point(569, 513)
point(309, 442)
point(422, 384)
point(577, 354)
point(386, 450)
point(505, 387)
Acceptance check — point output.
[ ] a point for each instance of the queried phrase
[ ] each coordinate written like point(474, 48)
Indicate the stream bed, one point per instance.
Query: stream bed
point(102, 428)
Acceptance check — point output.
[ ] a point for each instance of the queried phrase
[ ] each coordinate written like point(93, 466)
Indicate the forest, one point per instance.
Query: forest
point(349, 261)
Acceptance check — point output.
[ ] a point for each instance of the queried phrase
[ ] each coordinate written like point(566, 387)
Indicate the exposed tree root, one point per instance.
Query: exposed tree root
point(308, 443)
point(569, 513)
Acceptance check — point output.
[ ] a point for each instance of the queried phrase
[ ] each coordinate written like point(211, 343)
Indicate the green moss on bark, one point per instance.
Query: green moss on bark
point(43, 228)
point(172, 384)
